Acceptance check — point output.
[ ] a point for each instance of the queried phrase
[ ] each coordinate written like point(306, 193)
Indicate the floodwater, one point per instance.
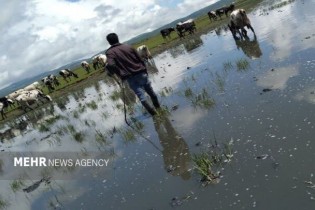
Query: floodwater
point(257, 96)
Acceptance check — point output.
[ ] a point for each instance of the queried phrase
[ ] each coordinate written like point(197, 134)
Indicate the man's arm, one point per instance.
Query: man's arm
point(111, 64)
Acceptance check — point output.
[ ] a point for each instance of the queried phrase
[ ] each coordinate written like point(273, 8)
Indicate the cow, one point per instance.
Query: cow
point(212, 15)
point(166, 32)
point(66, 73)
point(47, 82)
point(54, 80)
point(225, 10)
point(15, 94)
point(144, 53)
point(102, 60)
point(186, 26)
point(95, 62)
point(4, 103)
point(85, 65)
point(33, 86)
point(27, 97)
point(238, 21)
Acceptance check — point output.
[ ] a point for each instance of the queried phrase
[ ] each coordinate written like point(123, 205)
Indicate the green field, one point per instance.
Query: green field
point(156, 44)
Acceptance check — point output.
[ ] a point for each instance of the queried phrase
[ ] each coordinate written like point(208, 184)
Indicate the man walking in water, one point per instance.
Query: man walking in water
point(124, 61)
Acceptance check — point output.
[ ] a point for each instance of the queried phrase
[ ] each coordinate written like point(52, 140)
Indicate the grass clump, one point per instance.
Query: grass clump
point(92, 105)
point(242, 64)
point(16, 185)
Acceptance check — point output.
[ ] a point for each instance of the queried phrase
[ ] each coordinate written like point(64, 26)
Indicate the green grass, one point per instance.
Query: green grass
point(242, 64)
point(3, 203)
point(92, 105)
point(17, 185)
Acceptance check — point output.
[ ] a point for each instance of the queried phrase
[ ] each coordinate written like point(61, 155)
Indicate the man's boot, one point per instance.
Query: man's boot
point(148, 108)
point(155, 102)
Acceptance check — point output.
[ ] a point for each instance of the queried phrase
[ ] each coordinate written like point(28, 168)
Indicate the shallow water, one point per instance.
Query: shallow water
point(262, 99)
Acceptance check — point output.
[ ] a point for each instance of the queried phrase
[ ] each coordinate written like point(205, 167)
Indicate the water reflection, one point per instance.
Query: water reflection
point(220, 30)
point(192, 43)
point(175, 151)
point(249, 47)
point(277, 78)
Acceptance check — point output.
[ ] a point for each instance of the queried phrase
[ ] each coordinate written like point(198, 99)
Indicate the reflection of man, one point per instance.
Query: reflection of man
point(175, 150)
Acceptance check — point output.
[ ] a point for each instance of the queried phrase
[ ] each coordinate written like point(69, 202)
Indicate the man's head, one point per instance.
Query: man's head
point(112, 38)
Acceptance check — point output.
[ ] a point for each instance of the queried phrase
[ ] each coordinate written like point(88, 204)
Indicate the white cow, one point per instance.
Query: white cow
point(238, 21)
point(86, 66)
point(15, 94)
point(33, 86)
point(144, 53)
point(102, 59)
point(27, 97)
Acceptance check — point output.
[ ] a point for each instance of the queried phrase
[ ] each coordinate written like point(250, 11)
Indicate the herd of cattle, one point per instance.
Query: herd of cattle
point(33, 92)
point(238, 21)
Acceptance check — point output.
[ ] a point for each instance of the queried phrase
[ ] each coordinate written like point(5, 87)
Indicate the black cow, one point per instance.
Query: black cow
point(4, 103)
point(212, 15)
point(224, 10)
point(167, 32)
point(187, 26)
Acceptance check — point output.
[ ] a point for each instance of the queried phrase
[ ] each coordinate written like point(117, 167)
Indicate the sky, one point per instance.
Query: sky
point(41, 35)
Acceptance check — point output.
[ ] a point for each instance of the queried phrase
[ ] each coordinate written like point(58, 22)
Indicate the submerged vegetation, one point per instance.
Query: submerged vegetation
point(242, 64)
point(207, 163)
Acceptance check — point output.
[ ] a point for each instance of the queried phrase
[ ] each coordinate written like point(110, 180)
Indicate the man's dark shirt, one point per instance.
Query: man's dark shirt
point(124, 60)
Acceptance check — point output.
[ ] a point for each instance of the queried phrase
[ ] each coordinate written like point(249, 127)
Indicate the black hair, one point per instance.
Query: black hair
point(112, 38)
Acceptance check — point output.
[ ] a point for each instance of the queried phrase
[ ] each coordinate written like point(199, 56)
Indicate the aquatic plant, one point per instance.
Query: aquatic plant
point(220, 82)
point(227, 65)
point(128, 135)
point(116, 95)
point(82, 108)
point(242, 64)
point(188, 92)
point(203, 99)
point(75, 114)
point(92, 105)
point(43, 128)
point(78, 136)
point(100, 137)
point(3, 203)
point(16, 185)
point(203, 164)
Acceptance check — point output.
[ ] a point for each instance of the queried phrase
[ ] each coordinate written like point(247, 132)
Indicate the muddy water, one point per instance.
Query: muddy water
point(256, 94)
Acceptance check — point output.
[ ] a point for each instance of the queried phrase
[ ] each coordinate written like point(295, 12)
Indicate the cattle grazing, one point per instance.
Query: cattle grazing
point(95, 62)
point(15, 94)
point(225, 10)
point(85, 65)
point(54, 80)
point(99, 61)
point(238, 21)
point(47, 82)
point(66, 73)
point(166, 32)
point(27, 97)
point(144, 53)
point(102, 60)
point(187, 26)
point(212, 15)
point(4, 103)
point(33, 86)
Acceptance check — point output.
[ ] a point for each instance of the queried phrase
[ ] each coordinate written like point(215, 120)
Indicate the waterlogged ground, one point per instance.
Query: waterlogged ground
point(252, 101)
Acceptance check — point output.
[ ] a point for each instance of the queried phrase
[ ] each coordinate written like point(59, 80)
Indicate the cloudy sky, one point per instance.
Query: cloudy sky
point(41, 35)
